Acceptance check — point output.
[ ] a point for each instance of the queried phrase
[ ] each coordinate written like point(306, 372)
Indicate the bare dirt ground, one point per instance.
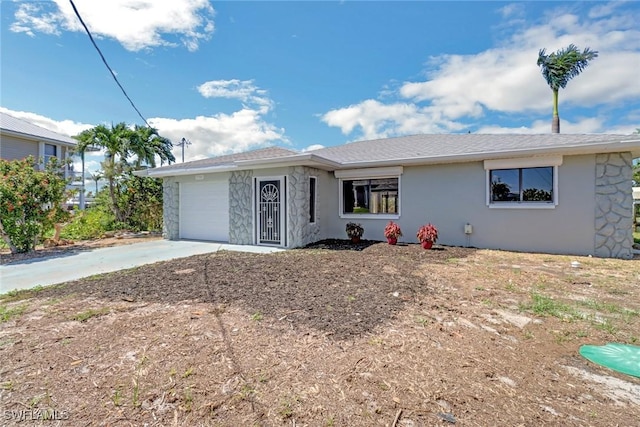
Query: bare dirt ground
point(326, 336)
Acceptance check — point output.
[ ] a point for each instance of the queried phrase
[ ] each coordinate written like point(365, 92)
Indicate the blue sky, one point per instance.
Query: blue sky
point(231, 76)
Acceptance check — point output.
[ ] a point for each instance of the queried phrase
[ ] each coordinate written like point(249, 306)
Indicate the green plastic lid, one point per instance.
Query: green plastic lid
point(623, 358)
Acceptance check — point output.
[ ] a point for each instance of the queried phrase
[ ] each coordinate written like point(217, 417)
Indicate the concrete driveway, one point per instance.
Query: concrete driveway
point(74, 265)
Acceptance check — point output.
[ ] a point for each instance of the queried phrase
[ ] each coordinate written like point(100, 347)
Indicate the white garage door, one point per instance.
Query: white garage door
point(204, 210)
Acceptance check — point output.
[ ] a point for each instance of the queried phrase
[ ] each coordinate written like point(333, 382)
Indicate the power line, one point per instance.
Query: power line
point(105, 62)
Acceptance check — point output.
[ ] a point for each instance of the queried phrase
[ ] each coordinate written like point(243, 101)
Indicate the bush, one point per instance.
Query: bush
point(30, 202)
point(89, 224)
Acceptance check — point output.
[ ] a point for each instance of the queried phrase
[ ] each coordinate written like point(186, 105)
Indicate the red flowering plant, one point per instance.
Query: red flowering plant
point(392, 230)
point(427, 233)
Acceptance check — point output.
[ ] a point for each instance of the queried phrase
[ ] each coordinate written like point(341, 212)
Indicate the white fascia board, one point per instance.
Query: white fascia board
point(190, 171)
point(369, 172)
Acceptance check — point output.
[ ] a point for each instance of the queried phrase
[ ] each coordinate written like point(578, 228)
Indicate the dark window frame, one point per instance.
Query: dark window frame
point(357, 196)
point(520, 196)
point(313, 195)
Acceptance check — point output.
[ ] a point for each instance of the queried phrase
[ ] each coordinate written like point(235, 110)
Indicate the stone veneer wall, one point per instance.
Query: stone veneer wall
point(300, 231)
point(240, 212)
point(614, 206)
point(170, 209)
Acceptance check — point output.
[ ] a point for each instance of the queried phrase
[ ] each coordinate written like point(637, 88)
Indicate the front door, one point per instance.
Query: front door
point(270, 212)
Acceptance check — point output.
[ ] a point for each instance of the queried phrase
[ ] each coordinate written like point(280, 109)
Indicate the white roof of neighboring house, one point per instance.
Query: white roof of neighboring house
point(13, 126)
point(417, 150)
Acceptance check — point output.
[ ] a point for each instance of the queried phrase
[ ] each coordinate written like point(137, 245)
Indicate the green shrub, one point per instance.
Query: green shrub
point(30, 201)
point(89, 224)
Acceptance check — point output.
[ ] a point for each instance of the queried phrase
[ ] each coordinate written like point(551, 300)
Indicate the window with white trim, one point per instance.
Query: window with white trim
point(370, 196)
point(373, 192)
point(525, 182)
point(522, 185)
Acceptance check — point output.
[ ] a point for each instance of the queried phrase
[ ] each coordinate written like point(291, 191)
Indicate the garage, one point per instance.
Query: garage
point(204, 210)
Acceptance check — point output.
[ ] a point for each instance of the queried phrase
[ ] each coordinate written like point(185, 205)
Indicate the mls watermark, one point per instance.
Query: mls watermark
point(35, 415)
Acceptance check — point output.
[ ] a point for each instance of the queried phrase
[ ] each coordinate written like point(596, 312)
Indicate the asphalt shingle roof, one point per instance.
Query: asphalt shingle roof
point(422, 149)
point(229, 159)
point(451, 145)
point(16, 125)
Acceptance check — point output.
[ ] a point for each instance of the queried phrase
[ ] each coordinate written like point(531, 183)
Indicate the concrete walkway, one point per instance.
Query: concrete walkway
point(74, 265)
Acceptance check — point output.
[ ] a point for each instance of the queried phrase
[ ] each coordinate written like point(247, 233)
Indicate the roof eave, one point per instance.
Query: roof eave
point(186, 171)
point(36, 138)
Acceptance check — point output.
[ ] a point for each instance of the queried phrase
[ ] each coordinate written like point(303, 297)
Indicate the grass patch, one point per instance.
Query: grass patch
point(88, 314)
point(21, 294)
point(608, 307)
point(543, 305)
point(8, 313)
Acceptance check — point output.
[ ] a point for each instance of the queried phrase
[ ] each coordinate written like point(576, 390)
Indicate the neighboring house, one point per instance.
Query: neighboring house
point(19, 139)
point(554, 193)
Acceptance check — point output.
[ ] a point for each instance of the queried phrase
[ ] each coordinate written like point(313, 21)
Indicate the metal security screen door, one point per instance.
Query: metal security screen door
point(270, 212)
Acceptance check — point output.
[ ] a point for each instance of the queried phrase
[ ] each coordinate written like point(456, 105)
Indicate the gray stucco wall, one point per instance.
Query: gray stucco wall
point(171, 209)
point(299, 229)
point(614, 206)
point(449, 196)
point(240, 208)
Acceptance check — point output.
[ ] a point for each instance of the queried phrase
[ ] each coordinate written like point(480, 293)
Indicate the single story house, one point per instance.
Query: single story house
point(552, 193)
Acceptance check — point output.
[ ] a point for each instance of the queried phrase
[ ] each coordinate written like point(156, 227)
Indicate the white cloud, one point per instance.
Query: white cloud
point(512, 10)
point(312, 148)
point(219, 134)
point(585, 125)
point(378, 120)
point(505, 80)
point(136, 24)
point(243, 90)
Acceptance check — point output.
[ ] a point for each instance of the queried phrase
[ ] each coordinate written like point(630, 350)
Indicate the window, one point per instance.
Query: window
point(370, 192)
point(530, 182)
point(370, 196)
point(50, 151)
point(522, 185)
point(312, 200)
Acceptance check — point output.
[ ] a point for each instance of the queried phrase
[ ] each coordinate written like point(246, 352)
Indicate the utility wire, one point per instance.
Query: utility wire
point(105, 63)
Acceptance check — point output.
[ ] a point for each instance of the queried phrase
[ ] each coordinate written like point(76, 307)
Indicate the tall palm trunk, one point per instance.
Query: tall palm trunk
point(555, 122)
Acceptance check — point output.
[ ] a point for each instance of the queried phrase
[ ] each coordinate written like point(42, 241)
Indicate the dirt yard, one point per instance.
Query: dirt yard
point(326, 336)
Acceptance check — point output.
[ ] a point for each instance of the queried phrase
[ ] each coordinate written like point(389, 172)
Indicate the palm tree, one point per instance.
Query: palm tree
point(97, 176)
point(120, 142)
point(116, 141)
point(560, 67)
point(146, 144)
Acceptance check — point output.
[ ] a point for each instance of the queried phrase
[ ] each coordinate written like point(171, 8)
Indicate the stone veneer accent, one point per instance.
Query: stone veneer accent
point(240, 211)
point(171, 209)
point(614, 206)
point(300, 231)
